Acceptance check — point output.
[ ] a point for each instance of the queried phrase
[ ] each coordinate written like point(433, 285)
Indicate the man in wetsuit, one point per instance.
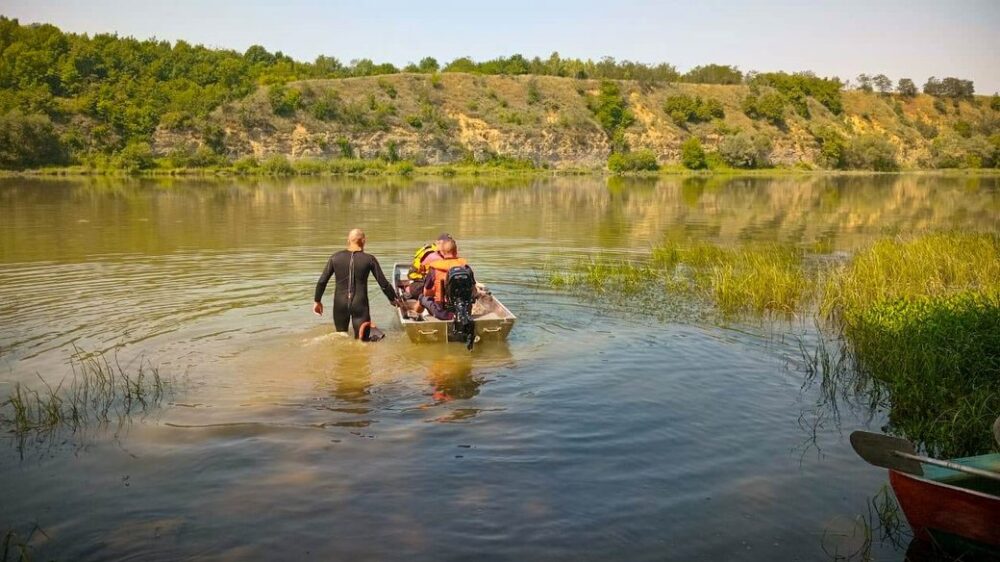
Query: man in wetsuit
point(351, 268)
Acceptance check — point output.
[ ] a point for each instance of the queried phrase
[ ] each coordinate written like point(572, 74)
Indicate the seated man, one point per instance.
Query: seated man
point(434, 297)
point(421, 261)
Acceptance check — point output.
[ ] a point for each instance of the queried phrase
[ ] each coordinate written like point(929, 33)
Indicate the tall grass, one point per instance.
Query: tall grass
point(757, 279)
point(99, 390)
point(922, 317)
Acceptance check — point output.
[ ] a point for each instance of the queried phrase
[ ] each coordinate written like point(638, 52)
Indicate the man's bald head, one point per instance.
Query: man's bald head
point(356, 237)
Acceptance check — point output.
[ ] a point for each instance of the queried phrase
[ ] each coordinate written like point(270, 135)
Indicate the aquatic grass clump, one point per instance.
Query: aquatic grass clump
point(922, 318)
point(940, 357)
point(934, 264)
point(758, 278)
point(606, 276)
point(100, 390)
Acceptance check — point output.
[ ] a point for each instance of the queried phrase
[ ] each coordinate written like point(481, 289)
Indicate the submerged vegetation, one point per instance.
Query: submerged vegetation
point(918, 319)
point(100, 390)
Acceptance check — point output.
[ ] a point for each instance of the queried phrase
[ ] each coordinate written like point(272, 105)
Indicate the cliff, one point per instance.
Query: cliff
point(434, 119)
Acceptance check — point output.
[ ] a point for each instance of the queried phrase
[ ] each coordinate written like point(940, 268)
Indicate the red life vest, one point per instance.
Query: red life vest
point(441, 268)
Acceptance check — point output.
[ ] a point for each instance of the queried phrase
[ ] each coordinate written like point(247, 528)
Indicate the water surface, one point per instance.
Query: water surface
point(595, 432)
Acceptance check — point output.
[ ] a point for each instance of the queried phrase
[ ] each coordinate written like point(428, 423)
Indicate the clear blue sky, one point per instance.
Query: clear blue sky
point(901, 38)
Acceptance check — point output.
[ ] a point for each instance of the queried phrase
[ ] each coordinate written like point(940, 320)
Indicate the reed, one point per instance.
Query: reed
point(99, 390)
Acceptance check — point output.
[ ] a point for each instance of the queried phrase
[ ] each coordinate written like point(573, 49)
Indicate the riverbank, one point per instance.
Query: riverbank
point(406, 168)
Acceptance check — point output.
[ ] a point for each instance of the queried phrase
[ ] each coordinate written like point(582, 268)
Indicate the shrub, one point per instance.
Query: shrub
point(995, 102)
point(436, 82)
point(245, 165)
point(797, 87)
point(963, 128)
point(686, 109)
point(346, 150)
point(692, 154)
point(611, 111)
point(388, 88)
point(832, 147)
point(326, 107)
point(926, 129)
point(770, 107)
point(635, 161)
point(534, 94)
point(940, 106)
point(414, 121)
point(284, 101)
point(135, 157)
point(277, 165)
point(953, 151)
point(27, 141)
point(745, 150)
point(870, 152)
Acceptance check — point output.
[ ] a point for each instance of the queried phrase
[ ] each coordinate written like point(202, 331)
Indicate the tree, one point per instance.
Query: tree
point(995, 102)
point(864, 82)
point(692, 154)
point(714, 74)
point(882, 83)
point(949, 87)
point(428, 65)
point(906, 88)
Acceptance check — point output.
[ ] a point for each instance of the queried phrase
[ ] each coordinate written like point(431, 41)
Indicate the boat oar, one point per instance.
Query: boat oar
point(899, 455)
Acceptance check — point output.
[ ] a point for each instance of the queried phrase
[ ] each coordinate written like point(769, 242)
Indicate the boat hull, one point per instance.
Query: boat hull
point(933, 507)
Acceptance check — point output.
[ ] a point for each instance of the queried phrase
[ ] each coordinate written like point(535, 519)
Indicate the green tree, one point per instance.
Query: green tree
point(995, 102)
point(864, 82)
point(714, 74)
point(692, 154)
point(906, 87)
point(428, 65)
point(684, 109)
point(882, 83)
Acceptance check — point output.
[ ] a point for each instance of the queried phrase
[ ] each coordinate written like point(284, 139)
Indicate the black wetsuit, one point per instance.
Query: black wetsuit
point(350, 298)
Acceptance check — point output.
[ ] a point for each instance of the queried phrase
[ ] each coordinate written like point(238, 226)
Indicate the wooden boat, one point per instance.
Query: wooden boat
point(493, 320)
point(951, 508)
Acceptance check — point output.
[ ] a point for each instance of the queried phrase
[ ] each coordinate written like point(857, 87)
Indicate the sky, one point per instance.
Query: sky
point(900, 38)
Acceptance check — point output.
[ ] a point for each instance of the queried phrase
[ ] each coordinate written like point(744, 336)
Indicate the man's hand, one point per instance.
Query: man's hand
point(318, 308)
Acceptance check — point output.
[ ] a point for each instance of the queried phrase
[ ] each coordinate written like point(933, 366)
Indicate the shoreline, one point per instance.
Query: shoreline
point(379, 169)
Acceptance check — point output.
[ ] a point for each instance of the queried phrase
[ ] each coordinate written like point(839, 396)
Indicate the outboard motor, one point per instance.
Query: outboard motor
point(460, 290)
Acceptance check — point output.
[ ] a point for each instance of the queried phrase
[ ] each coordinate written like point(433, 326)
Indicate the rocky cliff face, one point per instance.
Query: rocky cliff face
point(449, 117)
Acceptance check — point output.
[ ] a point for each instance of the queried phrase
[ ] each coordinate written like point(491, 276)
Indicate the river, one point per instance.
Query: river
point(595, 432)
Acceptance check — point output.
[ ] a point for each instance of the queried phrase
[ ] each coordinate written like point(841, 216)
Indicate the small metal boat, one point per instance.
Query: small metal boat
point(493, 321)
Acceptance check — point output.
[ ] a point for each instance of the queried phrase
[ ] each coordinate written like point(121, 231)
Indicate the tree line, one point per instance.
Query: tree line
point(67, 96)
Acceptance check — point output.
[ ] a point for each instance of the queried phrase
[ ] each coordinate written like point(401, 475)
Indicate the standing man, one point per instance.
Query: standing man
point(351, 268)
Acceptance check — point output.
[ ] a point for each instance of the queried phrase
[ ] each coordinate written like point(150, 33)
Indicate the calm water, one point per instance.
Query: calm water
point(591, 434)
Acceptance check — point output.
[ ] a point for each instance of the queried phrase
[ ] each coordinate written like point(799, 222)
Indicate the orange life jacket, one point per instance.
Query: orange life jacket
point(441, 268)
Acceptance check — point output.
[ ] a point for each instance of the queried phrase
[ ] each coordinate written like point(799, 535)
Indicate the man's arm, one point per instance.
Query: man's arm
point(387, 288)
point(324, 278)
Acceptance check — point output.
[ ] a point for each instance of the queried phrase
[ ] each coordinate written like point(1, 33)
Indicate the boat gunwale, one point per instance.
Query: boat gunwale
point(982, 495)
